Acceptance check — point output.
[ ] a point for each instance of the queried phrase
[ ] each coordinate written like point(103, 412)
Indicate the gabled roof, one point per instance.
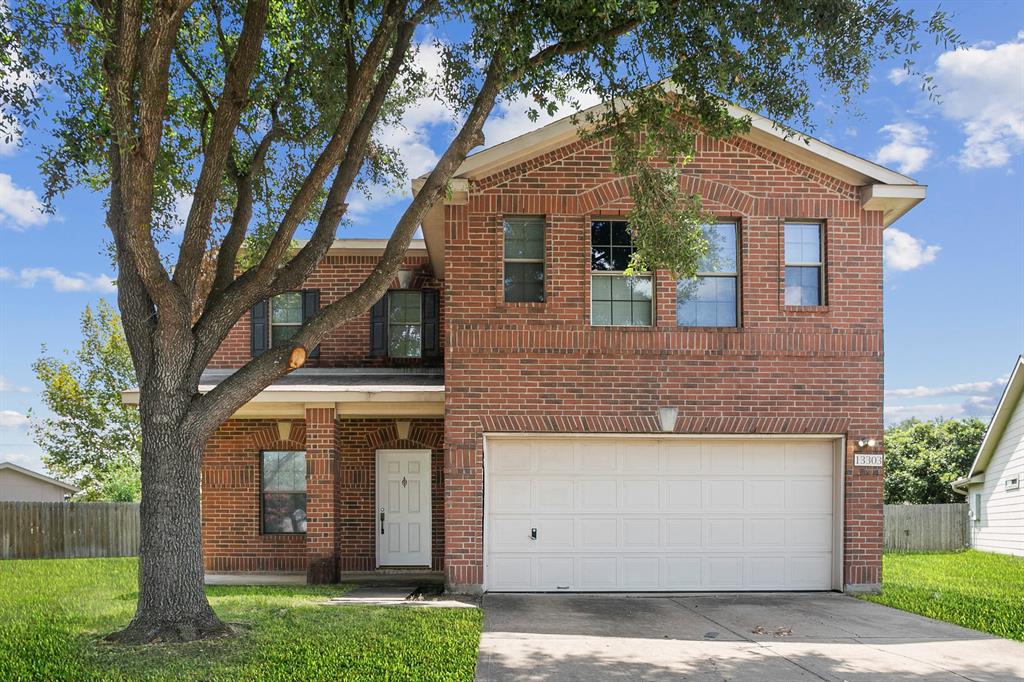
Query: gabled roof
point(1001, 417)
point(38, 476)
point(882, 189)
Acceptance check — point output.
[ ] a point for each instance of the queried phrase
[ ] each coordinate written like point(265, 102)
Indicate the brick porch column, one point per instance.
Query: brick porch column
point(321, 475)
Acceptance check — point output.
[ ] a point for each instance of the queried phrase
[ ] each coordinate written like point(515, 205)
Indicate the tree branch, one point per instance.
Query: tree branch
point(225, 120)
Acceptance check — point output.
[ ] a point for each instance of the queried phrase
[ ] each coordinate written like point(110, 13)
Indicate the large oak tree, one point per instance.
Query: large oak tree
point(268, 114)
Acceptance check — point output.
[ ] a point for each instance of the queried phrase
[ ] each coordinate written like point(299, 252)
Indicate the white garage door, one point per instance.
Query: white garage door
point(647, 514)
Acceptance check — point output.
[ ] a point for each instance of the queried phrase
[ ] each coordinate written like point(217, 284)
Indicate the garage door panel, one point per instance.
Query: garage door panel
point(641, 496)
point(554, 456)
point(510, 495)
point(724, 495)
point(682, 533)
point(641, 573)
point(765, 494)
point(764, 458)
point(811, 495)
point(765, 571)
point(639, 533)
point(810, 532)
point(681, 495)
point(679, 457)
point(659, 514)
point(598, 533)
point(723, 458)
point(597, 458)
point(599, 573)
point(722, 573)
point(554, 534)
point(598, 495)
point(723, 533)
point(554, 495)
point(639, 456)
point(682, 573)
point(766, 532)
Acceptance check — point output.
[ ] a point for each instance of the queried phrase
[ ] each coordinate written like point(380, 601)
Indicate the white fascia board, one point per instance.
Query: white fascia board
point(1000, 418)
point(892, 200)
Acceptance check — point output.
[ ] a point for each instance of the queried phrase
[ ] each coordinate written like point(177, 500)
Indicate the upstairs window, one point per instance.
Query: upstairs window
point(524, 259)
point(283, 491)
point(405, 323)
point(275, 322)
point(617, 300)
point(805, 264)
point(711, 298)
point(285, 317)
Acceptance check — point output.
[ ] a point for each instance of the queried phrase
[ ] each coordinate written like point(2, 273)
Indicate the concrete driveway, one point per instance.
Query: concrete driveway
point(808, 636)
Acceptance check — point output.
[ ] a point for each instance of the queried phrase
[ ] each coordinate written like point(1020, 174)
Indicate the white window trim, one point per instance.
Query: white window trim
point(615, 273)
point(820, 263)
point(735, 274)
point(419, 294)
point(270, 317)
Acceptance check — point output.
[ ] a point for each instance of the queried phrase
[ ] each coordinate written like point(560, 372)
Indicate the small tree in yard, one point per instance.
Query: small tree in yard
point(93, 438)
point(269, 114)
point(923, 458)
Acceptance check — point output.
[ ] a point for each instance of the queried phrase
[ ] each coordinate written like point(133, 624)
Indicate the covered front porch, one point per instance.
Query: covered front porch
point(326, 476)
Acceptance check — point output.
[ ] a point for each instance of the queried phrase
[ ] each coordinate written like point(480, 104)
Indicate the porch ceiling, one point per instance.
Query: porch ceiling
point(354, 392)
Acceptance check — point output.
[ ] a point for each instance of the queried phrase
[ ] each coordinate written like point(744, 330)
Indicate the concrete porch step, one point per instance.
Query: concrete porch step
point(398, 577)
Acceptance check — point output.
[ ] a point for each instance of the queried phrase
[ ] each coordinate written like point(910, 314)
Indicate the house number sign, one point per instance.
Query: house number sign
point(866, 460)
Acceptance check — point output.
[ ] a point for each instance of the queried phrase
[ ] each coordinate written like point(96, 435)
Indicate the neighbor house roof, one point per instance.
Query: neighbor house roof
point(366, 391)
point(1004, 410)
point(365, 246)
point(882, 189)
point(38, 476)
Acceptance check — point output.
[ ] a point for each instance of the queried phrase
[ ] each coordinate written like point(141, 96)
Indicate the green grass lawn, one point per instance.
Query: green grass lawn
point(53, 615)
point(977, 590)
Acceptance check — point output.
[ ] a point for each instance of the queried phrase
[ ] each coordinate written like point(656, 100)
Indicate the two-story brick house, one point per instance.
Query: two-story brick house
point(521, 416)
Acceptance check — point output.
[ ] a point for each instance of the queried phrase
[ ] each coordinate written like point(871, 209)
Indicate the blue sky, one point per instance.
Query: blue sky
point(954, 287)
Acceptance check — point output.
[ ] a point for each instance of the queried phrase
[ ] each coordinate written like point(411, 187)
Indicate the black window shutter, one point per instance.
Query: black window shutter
point(311, 304)
point(259, 328)
point(431, 323)
point(379, 328)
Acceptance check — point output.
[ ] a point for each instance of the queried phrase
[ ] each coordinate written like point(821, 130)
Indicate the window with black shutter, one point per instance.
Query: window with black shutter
point(405, 323)
point(275, 321)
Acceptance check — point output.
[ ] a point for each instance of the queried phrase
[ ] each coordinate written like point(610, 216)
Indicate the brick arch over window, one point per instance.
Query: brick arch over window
point(620, 188)
point(269, 438)
point(419, 437)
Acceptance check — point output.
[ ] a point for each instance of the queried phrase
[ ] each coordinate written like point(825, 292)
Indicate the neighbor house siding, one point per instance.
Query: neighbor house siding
point(542, 368)
point(1001, 526)
point(17, 487)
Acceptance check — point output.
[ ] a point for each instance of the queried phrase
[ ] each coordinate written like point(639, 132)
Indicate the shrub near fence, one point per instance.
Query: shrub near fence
point(68, 530)
point(925, 527)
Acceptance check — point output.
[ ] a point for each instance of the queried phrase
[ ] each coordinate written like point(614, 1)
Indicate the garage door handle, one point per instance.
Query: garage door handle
point(533, 533)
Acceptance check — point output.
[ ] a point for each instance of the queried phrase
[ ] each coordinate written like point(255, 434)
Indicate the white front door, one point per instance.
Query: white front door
point(403, 507)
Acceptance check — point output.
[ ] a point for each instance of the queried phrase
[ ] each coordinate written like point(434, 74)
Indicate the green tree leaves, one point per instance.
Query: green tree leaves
point(93, 438)
point(923, 458)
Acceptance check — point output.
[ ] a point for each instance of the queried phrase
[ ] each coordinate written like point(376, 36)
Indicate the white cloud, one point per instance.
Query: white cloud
point(905, 252)
point(897, 76)
point(982, 88)
point(9, 419)
point(27, 278)
point(973, 387)
point(968, 399)
point(19, 208)
point(509, 119)
point(9, 387)
point(908, 146)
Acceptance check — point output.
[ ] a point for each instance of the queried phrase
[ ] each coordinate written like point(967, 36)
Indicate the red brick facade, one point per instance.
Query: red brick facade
point(349, 344)
point(341, 528)
point(541, 367)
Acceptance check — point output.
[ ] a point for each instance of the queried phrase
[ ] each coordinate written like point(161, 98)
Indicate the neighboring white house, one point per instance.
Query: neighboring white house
point(18, 484)
point(993, 486)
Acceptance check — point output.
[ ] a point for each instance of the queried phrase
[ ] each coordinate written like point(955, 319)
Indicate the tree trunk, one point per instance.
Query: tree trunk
point(172, 603)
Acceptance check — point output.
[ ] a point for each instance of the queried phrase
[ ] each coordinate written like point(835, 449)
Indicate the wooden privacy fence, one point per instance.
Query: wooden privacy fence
point(67, 530)
point(925, 527)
